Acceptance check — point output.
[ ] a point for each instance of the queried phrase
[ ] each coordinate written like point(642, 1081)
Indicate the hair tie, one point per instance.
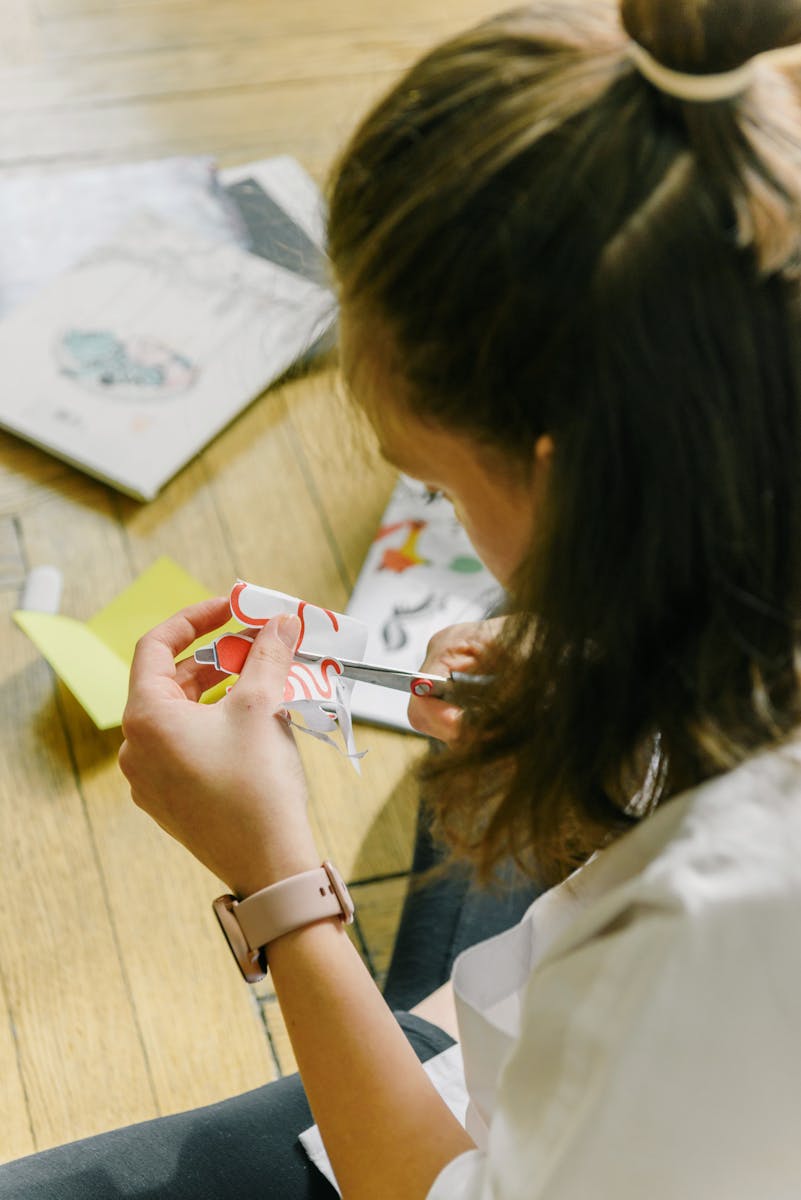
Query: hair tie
point(705, 89)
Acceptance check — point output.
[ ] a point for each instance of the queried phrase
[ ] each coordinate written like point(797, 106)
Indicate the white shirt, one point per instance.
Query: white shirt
point(638, 1035)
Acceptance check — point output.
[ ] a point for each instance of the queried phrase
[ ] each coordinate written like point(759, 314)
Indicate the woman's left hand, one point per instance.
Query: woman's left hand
point(224, 779)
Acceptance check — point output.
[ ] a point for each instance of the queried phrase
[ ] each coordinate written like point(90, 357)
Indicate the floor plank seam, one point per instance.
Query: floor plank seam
point(12, 1025)
point(225, 525)
point(16, 525)
point(136, 99)
point(126, 982)
point(387, 878)
point(311, 485)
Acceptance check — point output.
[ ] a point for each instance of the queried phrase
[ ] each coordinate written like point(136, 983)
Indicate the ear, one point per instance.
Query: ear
point(544, 450)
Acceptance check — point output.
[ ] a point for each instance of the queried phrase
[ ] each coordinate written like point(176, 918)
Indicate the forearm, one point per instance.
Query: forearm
point(440, 1009)
point(386, 1130)
point(226, 780)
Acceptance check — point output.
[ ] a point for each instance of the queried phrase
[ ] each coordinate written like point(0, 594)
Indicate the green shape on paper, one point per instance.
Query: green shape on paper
point(93, 657)
point(465, 564)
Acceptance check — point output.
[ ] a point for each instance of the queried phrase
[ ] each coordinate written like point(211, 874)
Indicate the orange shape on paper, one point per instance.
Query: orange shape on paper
point(401, 558)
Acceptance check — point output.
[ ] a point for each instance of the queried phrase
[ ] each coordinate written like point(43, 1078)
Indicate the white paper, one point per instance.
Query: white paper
point(130, 363)
point(52, 220)
point(421, 574)
point(317, 695)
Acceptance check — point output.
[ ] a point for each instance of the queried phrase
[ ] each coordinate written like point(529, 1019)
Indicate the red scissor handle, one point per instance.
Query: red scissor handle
point(231, 650)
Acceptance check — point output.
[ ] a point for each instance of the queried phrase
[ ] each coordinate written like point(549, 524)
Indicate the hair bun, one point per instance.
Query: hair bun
point(710, 37)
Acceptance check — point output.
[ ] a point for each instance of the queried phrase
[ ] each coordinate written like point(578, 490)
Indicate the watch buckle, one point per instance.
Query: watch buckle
point(341, 892)
point(252, 963)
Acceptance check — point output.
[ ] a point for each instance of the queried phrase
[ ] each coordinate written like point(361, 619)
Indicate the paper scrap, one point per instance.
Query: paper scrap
point(42, 590)
point(316, 693)
point(93, 657)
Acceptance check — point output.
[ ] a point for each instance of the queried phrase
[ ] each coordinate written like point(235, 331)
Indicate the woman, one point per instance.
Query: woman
point(568, 254)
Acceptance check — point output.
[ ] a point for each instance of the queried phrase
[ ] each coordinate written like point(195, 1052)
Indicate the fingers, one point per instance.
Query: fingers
point(435, 718)
point(458, 647)
point(263, 677)
point(154, 657)
point(195, 678)
point(455, 648)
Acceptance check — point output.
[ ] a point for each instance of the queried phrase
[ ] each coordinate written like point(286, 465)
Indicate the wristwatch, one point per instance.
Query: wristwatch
point(250, 925)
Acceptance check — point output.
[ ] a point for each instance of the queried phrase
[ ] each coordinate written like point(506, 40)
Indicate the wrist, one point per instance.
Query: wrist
point(254, 923)
point(273, 865)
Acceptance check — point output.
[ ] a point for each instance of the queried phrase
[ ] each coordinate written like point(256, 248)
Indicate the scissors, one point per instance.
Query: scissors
point(416, 683)
point(228, 653)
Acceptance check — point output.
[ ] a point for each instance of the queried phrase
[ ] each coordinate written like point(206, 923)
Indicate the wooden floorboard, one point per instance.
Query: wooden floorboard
point(118, 1001)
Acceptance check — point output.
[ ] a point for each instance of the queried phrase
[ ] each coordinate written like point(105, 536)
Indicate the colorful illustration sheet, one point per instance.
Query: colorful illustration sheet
point(421, 574)
point(130, 363)
point(317, 696)
point(93, 657)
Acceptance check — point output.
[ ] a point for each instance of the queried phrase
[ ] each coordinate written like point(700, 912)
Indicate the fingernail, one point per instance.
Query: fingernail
point(288, 630)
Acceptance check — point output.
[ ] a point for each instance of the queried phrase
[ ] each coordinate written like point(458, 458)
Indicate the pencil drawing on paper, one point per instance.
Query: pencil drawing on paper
point(395, 630)
point(123, 368)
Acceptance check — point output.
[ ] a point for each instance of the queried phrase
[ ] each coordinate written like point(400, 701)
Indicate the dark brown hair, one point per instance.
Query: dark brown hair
point(554, 246)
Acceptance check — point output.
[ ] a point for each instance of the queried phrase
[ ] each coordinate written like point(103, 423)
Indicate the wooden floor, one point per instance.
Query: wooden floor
point(118, 1000)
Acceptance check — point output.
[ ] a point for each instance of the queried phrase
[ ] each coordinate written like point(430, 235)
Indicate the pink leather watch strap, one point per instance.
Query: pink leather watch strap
point(292, 903)
point(250, 925)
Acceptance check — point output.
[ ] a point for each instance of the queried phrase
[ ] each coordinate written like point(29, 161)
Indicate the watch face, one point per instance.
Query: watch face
point(252, 963)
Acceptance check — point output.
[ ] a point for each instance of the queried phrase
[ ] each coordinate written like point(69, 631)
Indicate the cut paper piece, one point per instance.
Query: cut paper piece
point(318, 722)
point(42, 590)
point(420, 574)
point(317, 691)
point(93, 657)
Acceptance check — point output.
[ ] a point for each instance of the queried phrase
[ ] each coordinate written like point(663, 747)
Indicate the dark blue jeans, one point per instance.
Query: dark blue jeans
point(247, 1146)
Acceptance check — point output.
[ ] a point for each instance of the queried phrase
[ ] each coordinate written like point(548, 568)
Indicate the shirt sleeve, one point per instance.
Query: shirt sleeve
point(463, 1177)
point(646, 1067)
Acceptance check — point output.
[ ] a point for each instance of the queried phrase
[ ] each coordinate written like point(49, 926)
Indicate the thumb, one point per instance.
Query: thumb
point(262, 679)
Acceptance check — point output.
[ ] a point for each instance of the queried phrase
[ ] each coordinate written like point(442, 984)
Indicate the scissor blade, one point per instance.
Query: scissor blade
point(412, 682)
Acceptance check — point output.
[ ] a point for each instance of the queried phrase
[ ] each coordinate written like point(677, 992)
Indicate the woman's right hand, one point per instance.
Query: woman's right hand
point(456, 648)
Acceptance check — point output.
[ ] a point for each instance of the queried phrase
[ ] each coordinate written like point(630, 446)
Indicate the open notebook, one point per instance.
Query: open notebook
point(128, 362)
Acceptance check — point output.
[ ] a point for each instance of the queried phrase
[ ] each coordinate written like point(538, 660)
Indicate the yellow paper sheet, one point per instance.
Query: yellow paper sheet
point(93, 657)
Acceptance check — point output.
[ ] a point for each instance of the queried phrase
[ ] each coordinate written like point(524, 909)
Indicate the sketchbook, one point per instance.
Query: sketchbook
point(420, 574)
point(147, 303)
point(51, 220)
point(129, 363)
point(281, 214)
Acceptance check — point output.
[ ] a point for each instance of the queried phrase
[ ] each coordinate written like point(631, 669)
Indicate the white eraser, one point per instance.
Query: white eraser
point(42, 590)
